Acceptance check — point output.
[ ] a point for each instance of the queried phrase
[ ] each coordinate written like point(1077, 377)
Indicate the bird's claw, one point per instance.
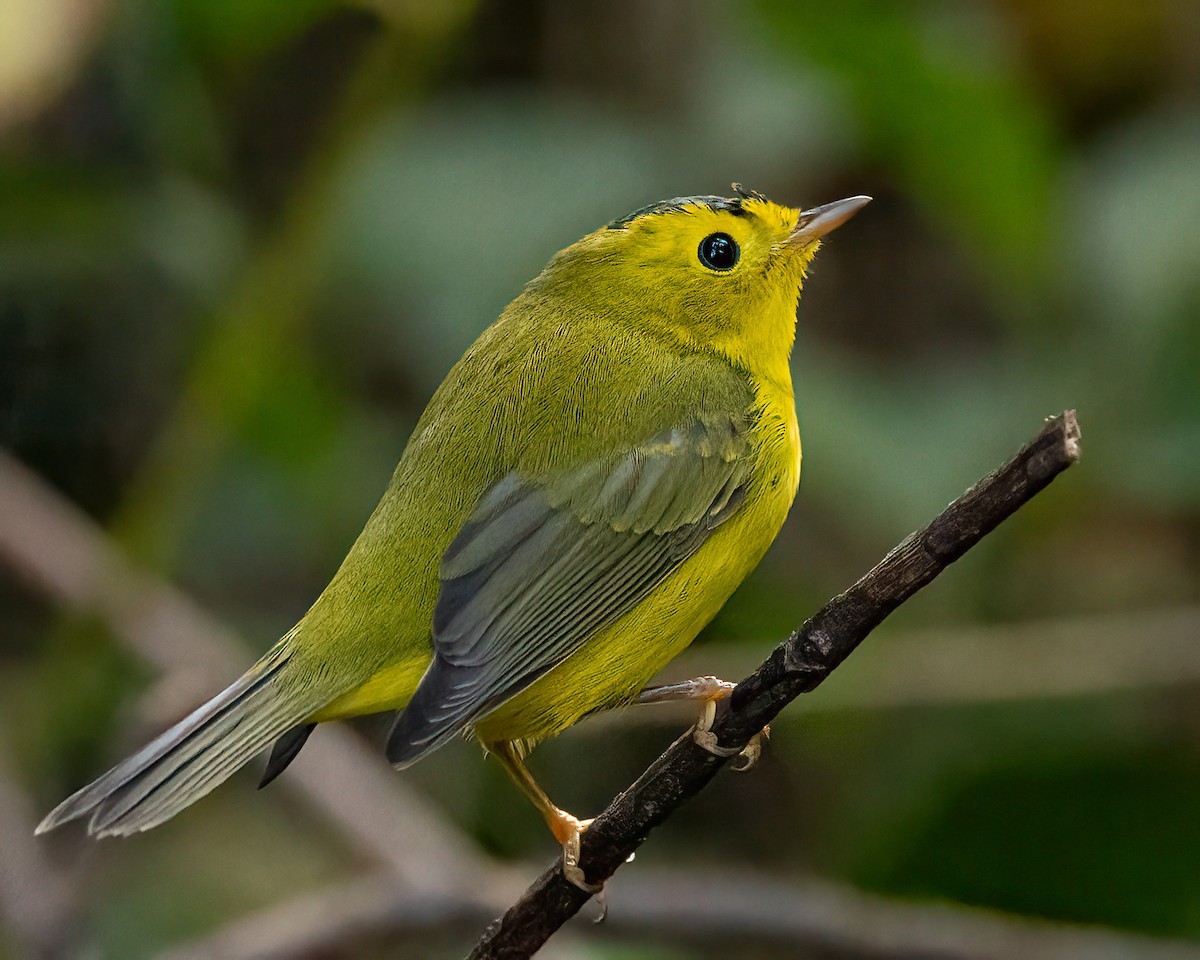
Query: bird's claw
point(705, 739)
point(602, 903)
point(573, 830)
point(752, 751)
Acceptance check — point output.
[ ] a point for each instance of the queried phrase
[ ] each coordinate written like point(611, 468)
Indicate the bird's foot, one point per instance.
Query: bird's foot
point(710, 691)
point(704, 737)
point(567, 831)
point(752, 751)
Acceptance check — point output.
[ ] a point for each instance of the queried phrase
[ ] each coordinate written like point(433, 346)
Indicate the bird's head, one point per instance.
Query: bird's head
point(714, 273)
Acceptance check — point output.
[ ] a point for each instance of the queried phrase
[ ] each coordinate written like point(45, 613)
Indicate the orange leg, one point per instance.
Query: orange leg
point(567, 829)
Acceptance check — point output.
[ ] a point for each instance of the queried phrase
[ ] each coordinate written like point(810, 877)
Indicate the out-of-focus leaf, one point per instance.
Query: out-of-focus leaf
point(1024, 838)
point(943, 103)
point(243, 28)
point(60, 220)
point(193, 235)
point(1132, 240)
point(1130, 250)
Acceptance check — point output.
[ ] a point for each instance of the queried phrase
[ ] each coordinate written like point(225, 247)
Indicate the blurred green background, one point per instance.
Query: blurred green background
point(242, 242)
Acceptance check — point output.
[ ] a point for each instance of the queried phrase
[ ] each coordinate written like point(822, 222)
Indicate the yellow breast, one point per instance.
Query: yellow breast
point(612, 667)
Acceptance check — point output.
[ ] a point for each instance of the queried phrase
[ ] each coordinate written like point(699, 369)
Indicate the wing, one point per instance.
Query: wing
point(543, 564)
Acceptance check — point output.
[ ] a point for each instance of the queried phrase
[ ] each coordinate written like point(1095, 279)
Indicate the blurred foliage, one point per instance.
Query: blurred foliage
point(241, 243)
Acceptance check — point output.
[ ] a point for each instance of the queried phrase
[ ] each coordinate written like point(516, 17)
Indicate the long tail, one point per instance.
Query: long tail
point(194, 756)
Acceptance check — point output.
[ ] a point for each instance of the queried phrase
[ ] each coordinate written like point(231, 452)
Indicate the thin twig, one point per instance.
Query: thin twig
point(796, 666)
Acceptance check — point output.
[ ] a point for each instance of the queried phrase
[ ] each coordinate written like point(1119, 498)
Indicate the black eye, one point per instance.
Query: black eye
point(719, 251)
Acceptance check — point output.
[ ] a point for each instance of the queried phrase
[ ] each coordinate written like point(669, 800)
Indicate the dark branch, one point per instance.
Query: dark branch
point(796, 666)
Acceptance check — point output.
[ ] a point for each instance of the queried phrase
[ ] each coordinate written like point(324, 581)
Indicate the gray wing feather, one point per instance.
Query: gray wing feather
point(543, 564)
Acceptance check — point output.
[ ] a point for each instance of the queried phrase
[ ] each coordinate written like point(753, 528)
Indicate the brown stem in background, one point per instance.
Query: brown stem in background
point(63, 554)
point(685, 908)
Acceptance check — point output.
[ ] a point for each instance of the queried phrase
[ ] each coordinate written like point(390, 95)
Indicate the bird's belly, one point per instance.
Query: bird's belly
point(390, 688)
point(612, 667)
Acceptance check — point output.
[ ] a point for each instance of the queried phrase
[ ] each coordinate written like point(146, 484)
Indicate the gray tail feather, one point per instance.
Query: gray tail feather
point(286, 749)
point(190, 759)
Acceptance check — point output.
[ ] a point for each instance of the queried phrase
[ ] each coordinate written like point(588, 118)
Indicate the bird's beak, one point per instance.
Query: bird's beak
point(815, 223)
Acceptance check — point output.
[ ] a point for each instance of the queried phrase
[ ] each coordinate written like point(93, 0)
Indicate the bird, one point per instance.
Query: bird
point(584, 491)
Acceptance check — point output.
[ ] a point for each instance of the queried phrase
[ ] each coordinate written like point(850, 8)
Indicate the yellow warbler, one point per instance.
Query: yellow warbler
point(586, 488)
